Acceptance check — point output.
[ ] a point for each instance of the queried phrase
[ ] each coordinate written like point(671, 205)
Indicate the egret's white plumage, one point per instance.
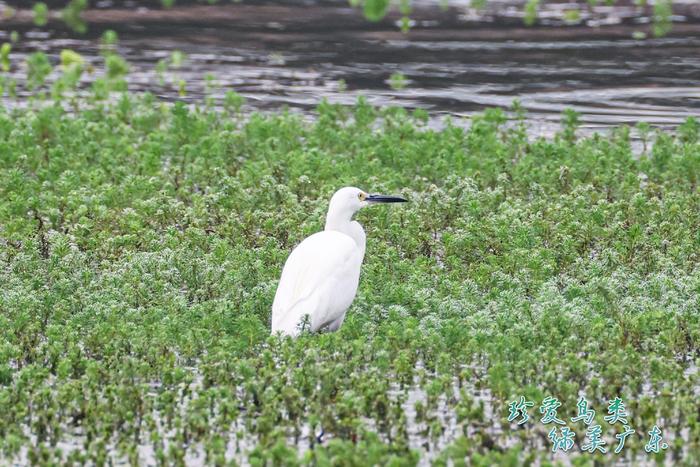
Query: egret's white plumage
point(321, 275)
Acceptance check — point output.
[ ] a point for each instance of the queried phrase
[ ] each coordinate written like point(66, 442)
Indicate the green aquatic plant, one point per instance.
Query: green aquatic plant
point(572, 16)
point(72, 15)
point(397, 81)
point(109, 42)
point(141, 245)
point(662, 12)
point(174, 61)
point(38, 68)
point(233, 102)
point(375, 10)
point(5, 50)
point(116, 69)
point(72, 67)
point(531, 7)
point(41, 14)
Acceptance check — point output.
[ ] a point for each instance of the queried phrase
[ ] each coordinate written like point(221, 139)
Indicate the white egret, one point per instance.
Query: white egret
point(321, 275)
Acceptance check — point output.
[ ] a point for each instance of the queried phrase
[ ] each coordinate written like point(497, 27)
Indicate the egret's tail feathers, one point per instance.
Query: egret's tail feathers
point(295, 320)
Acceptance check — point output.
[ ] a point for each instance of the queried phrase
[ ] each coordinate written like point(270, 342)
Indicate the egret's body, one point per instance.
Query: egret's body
point(321, 275)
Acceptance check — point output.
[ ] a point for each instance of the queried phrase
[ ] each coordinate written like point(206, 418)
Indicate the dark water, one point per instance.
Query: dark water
point(294, 56)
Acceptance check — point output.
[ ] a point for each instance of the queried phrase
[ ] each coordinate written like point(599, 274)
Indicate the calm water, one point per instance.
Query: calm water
point(293, 56)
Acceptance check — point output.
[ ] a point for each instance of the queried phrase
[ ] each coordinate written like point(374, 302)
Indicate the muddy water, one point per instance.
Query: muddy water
point(282, 55)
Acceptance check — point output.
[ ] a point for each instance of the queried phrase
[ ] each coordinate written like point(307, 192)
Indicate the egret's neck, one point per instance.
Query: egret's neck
point(341, 221)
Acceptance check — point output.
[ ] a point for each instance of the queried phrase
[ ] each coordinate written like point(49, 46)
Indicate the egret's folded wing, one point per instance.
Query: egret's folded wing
point(317, 262)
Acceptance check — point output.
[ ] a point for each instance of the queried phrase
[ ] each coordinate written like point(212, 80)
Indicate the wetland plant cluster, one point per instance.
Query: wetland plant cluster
point(141, 244)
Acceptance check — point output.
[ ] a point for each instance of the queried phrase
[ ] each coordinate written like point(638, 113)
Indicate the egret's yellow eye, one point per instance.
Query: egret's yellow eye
point(362, 196)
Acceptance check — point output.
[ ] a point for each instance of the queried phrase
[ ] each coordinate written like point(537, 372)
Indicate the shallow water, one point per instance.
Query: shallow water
point(456, 62)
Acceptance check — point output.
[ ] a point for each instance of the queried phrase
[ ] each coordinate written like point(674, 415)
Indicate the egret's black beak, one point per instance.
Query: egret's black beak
point(385, 199)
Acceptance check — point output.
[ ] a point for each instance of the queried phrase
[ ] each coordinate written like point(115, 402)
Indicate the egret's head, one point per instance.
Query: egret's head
point(350, 200)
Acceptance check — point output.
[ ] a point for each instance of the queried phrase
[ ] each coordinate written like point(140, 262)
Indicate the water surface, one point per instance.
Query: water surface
point(456, 62)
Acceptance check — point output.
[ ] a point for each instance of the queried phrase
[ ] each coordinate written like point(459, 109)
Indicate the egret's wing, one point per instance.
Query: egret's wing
point(310, 274)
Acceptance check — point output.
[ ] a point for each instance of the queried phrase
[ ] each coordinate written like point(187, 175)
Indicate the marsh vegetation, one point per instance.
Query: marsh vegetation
point(142, 242)
point(142, 238)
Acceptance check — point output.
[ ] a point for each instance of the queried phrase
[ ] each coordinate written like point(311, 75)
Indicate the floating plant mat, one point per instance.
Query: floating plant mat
point(141, 245)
